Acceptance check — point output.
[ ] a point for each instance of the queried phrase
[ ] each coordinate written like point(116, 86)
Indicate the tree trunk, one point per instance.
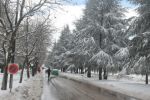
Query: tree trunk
point(100, 73)
point(12, 59)
point(105, 73)
point(5, 78)
point(2, 69)
point(89, 72)
point(36, 65)
point(146, 80)
point(77, 70)
point(61, 69)
point(27, 28)
point(74, 70)
point(28, 73)
point(147, 71)
point(33, 68)
point(64, 69)
point(82, 72)
point(21, 75)
point(11, 82)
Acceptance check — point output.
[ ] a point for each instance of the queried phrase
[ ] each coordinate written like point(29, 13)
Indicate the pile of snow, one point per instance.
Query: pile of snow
point(31, 89)
point(16, 79)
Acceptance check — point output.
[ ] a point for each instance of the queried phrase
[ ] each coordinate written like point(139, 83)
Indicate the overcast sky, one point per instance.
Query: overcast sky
point(69, 13)
point(82, 2)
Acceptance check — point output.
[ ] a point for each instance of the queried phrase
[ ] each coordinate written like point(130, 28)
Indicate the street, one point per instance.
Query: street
point(64, 89)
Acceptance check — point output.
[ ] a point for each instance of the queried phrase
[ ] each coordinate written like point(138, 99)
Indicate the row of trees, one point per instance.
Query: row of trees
point(102, 41)
point(25, 34)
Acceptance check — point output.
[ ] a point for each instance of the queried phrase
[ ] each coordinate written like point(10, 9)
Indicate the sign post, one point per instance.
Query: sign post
point(12, 69)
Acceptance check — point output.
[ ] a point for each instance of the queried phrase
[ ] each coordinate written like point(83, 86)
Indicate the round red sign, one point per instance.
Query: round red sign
point(13, 68)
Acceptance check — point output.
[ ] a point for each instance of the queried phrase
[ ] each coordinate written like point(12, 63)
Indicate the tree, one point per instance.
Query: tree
point(121, 60)
point(61, 49)
point(63, 43)
point(142, 24)
point(84, 49)
point(103, 20)
point(102, 59)
point(37, 35)
point(20, 9)
point(140, 43)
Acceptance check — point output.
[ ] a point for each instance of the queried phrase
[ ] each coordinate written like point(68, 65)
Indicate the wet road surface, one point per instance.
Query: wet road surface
point(64, 89)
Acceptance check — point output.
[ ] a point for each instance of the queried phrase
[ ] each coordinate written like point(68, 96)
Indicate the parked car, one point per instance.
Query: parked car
point(55, 72)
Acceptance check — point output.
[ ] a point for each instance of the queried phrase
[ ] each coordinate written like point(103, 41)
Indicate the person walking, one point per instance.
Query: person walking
point(49, 72)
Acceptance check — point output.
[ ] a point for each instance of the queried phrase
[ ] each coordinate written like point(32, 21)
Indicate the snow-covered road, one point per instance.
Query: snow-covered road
point(47, 91)
point(64, 89)
point(131, 90)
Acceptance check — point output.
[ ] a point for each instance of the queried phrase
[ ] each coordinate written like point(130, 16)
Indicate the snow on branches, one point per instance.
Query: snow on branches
point(101, 58)
point(122, 54)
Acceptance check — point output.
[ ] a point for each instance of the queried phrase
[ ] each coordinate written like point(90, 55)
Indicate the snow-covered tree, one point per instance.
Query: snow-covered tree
point(61, 50)
point(85, 48)
point(32, 44)
point(16, 12)
point(103, 20)
point(102, 59)
point(142, 24)
point(64, 41)
point(139, 47)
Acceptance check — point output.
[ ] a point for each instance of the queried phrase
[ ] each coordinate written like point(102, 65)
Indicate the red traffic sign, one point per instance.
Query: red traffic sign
point(13, 68)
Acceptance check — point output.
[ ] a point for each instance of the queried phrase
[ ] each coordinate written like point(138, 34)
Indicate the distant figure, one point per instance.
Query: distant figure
point(48, 72)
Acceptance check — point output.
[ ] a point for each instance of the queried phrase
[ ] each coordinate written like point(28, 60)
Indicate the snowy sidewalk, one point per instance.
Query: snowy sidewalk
point(137, 90)
point(47, 92)
point(29, 90)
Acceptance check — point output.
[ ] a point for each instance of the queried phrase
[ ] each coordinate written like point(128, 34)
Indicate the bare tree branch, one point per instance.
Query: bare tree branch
point(7, 14)
point(33, 48)
point(16, 19)
point(22, 7)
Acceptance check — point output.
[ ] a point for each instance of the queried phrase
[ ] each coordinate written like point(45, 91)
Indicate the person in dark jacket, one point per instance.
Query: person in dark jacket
point(48, 72)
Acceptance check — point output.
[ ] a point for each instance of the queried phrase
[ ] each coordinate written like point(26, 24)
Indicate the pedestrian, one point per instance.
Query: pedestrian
point(48, 72)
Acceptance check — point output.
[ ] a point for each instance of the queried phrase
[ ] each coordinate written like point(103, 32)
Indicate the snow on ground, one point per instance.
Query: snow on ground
point(15, 82)
point(29, 89)
point(130, 85)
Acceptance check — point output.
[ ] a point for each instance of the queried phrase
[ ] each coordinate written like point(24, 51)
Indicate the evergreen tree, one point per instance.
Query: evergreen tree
point(142, 24)
point(58, 57)
point(103, 20)
point(139, 47)
point(64, 42)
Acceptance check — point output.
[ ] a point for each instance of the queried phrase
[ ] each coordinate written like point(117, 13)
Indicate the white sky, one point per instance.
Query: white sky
point(131, 12)
point(67, 15)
